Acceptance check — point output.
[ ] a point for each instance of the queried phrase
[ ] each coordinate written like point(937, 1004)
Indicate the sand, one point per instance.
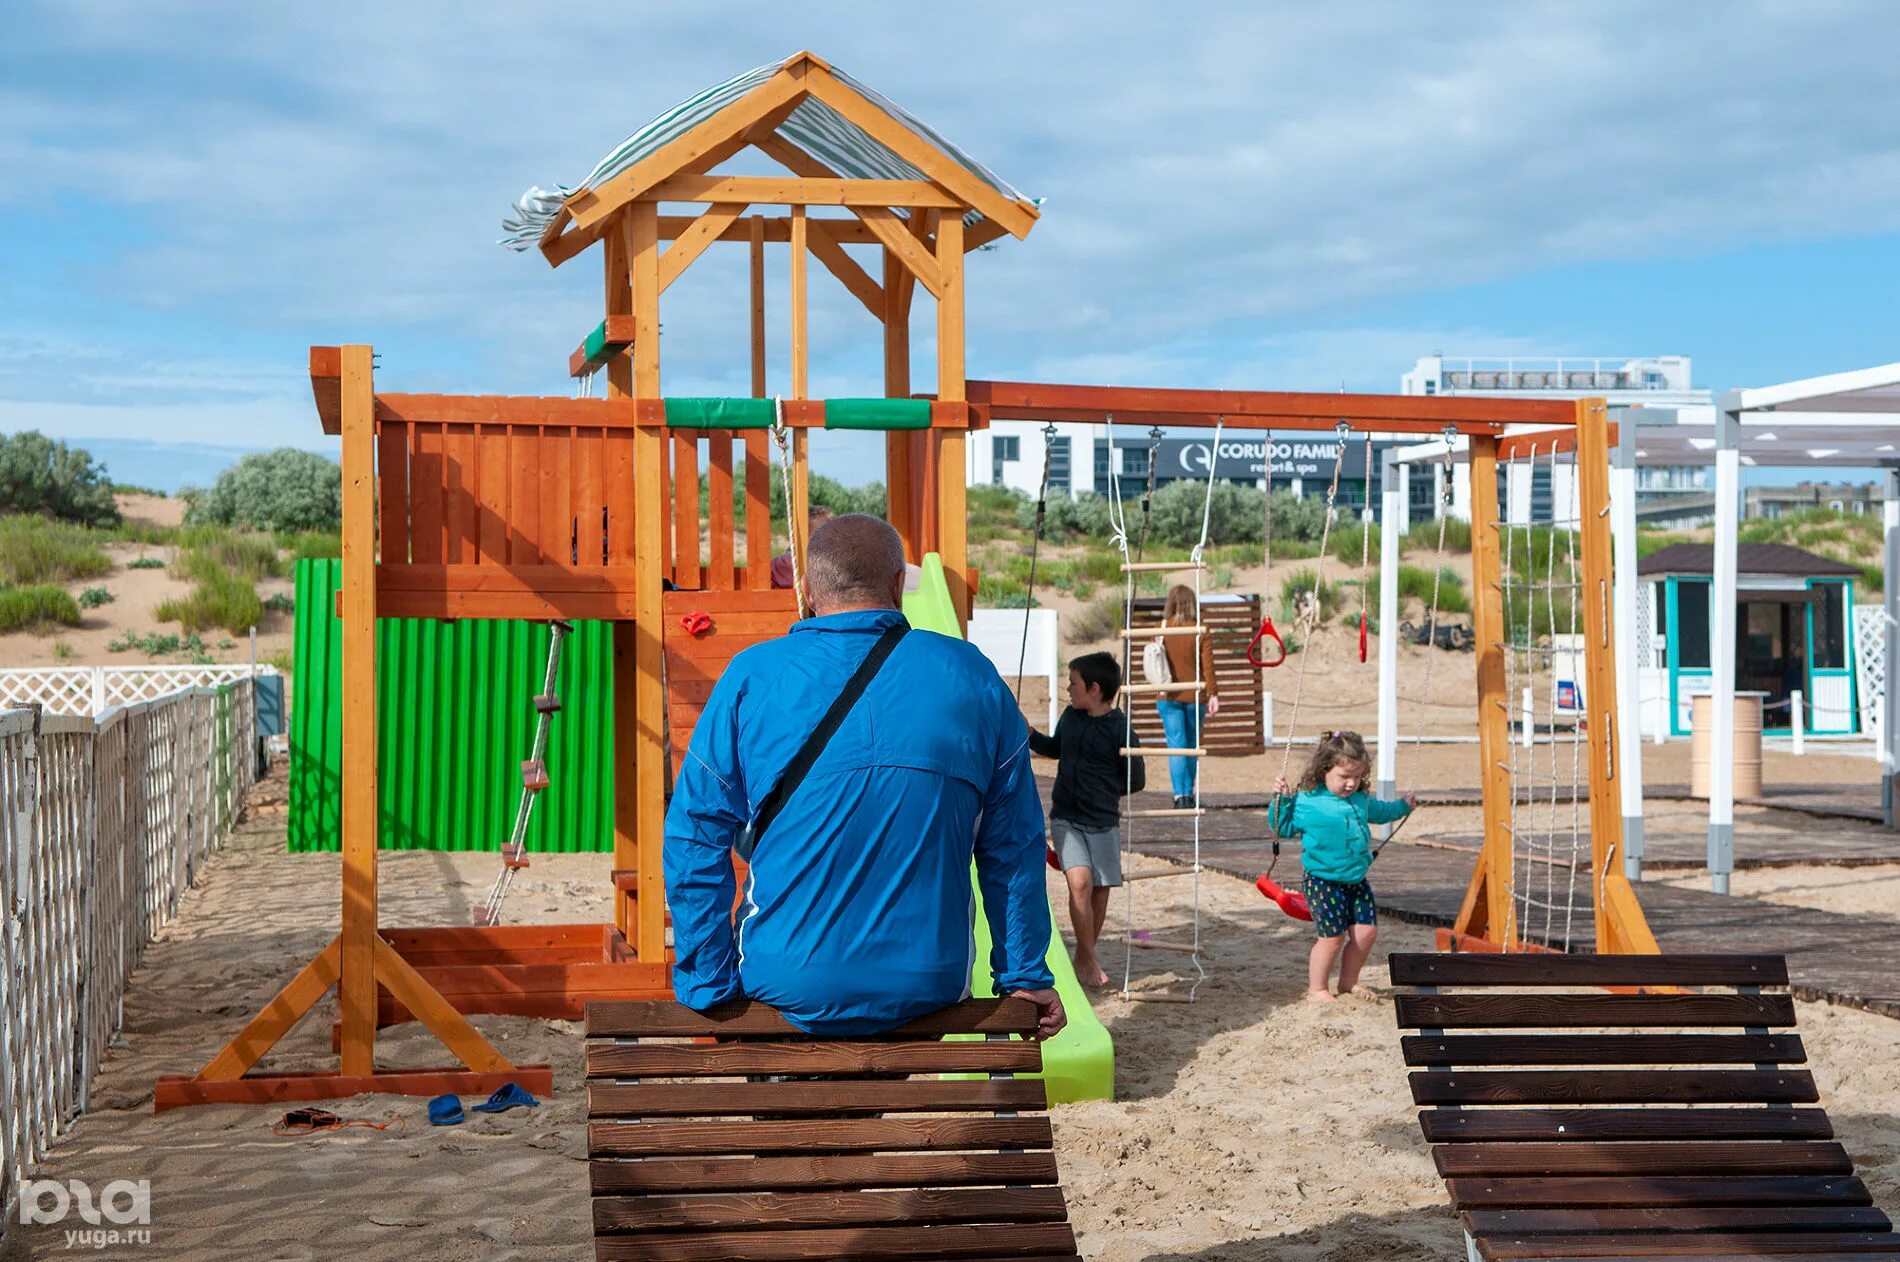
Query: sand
point(1250, 1125)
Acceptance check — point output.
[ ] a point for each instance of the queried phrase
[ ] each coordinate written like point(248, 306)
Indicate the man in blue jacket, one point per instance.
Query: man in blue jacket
point(857, 915)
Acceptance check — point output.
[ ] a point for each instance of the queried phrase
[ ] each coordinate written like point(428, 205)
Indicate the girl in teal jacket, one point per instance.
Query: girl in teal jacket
point(1332, 814)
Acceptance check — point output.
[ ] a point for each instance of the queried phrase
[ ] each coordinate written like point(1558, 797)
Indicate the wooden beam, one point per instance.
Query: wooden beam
point(649, 463)
point(1494, 733)
point(407, 988)
point(693, 242)
point(758, 468)
point(621, 519)
point(800, 350)
point(970, 189)
point(772, 190)
point(952, 473)
point(326, 387)
point(1470, 415)
point(1620, 924)
point(618, 332)
point(845, 268)
point(897, 237)
point(899, 476)
point(278, 1016)
point(360, 818)
point(783, 91)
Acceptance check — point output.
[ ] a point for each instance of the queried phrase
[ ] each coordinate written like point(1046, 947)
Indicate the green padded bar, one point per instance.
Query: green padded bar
point(877, 414)
point(720, 413)
point(597, 349)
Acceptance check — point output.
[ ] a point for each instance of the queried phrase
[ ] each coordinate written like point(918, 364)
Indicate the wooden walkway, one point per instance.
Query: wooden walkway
point(1840, 959)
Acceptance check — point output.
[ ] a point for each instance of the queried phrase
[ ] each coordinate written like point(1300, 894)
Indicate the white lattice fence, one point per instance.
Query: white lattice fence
point(1870, 659)
point(103, 824)
point(93, 689)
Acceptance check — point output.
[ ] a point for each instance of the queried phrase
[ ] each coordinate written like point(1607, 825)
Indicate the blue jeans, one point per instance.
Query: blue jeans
point(1181, 721)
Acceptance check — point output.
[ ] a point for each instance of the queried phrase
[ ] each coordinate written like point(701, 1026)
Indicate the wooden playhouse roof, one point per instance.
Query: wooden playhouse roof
point(1750, 558)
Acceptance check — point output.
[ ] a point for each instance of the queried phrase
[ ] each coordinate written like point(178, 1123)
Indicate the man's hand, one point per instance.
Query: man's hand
point(1048, 1007)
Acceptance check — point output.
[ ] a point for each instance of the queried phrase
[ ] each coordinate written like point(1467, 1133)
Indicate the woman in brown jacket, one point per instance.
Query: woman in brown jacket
point(1184, 712)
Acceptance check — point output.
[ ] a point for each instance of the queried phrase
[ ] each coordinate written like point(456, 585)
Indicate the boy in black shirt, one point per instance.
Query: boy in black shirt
point(1085, 811)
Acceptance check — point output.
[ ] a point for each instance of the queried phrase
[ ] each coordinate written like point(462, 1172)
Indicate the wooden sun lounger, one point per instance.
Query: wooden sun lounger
point(1661, 1121)
point(756, 1141)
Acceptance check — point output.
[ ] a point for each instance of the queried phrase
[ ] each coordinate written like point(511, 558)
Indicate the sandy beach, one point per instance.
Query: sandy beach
point(1249, 1125)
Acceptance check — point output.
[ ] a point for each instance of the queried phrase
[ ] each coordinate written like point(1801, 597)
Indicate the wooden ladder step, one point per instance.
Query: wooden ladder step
point(1144, 752)
point(534, 775)
point(546, 703)
point(1159, 944)
point(1161, 567)
point(1136, 633)
point(1142, 690)
point(1167, 812)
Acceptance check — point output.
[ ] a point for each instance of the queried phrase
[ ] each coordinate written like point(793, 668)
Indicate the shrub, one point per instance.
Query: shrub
point(1083, 516)
point(38, 475)
point(93, 597)
point(145, 563)
point(285, 489)
point(210, 549)
point(310, 545)
point(1301, 582)
point(220, 599)
point(40, 550)
point(39, 607)
point(1097, 620)
point(283, 660)
point(155, 644)
point(1424, 536)
point(62, 651)
point(1352, 534)
point(278, 602)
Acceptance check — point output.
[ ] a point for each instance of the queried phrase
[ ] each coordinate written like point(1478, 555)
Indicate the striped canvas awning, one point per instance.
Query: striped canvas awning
point(814, 128)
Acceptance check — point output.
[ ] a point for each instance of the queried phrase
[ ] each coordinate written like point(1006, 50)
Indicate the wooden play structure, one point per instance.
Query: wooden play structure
point(546, 508)
point(839, 1148)
point(459, 506)
point(1528, 1094)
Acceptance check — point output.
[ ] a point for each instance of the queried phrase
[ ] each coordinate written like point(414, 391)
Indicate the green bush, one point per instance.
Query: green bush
point(278, 602)
point(284, 660)
point(220, 599)
point(145, 563)
point(1350, 535)
point(1307, 580)
point(1424, 536)
point(155, 644)
point(93, 597)
point(211, 549)
point(1097, 620)
point(310, 545)
point(41, 550)
point(39, 607)
point(285, 489)
point(1066, 516)
point(38, 475)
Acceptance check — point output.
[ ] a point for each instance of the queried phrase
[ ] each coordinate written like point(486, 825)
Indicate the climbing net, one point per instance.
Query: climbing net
point(1540, 586)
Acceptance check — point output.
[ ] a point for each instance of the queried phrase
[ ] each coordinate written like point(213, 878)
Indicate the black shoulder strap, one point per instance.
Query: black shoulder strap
point(821, 735)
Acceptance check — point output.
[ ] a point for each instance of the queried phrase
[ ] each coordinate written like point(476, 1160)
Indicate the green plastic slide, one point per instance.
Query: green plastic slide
point(1079, 1063)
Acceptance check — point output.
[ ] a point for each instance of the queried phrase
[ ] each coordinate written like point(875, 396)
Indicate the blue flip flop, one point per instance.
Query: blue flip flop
point(509, 1097)
point(445, 1110)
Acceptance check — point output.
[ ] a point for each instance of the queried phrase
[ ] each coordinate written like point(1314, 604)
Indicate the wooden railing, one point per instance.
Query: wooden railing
point(104, 822)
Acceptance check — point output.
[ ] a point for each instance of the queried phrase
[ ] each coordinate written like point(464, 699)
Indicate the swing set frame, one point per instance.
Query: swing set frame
point(1495, 430)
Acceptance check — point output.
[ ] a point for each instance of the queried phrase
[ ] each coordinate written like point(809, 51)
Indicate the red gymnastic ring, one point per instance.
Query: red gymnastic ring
point(1266, 632)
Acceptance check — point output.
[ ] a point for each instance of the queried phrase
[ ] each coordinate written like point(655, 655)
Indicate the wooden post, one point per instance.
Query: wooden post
point(758, 465)
point(649, 455)
point(619, 370)
point(952, 474)
point(1487, 907)
point(797, 504)
point(899, 477)
point(1615, 929)
point(357, 993)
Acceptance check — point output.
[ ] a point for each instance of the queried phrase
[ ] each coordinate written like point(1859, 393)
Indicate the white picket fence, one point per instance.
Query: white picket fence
point(96, 689)
point(104, 822)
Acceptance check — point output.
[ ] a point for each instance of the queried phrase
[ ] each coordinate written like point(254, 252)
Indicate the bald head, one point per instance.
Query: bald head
point(854, 562)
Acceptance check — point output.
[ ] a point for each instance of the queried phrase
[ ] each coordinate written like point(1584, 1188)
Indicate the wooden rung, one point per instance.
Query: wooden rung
point(1168, 812)
point(1147, 567)
point(1153, 873)
point(1161, 998)
point(513, 857)
point(534, 774)
point(1135, 633)
point(1143, 751)
point(1158, 944)
point(627, 879)
point(1188, 685)
point(546, 703)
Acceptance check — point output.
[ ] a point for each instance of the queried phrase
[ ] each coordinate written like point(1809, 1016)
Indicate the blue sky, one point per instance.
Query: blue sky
point(1266, 195)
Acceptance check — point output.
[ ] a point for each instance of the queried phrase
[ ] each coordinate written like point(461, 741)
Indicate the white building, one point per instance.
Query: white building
point(1529, 488)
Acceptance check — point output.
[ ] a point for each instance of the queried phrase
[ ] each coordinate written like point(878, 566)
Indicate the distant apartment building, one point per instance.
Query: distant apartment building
point(1528, 488)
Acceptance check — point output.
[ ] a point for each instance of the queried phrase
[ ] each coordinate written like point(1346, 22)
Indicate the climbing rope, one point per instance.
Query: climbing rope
point(1309, 621)
point(534, 778)
point(781, 435)
point(1365, 555)
point(1035, 544)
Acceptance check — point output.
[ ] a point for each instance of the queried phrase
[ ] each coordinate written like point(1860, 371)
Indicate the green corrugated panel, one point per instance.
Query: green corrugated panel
point(882, 414)
point(721, 413)
point(456, 718)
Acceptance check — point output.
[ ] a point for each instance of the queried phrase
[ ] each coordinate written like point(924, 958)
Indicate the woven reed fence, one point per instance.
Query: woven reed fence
point(104, 822)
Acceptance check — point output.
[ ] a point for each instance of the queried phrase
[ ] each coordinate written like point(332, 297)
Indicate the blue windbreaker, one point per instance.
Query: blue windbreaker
point(858, 913)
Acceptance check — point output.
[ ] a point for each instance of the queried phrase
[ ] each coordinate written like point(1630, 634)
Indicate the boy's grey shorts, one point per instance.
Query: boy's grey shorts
point(1098, 850)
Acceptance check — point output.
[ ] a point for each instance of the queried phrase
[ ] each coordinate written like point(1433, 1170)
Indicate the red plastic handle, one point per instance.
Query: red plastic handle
point(1362, 635)
point(1266, 632)
point(696, 623)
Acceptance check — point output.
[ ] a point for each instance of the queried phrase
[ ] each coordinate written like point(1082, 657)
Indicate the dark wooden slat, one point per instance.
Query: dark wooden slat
point(1707, 1247)
point(762, 1174)
point(1499, 1193)
point(662, 1019)
point(745, 1211)
point(1472, 1125)
point(1674, 1220)
point(1480, 969)
point(726, 1099)
point(1603, 1049)
point(818, 1135)
point(1677, 1158)
point(1613, 1086)
point(684, 1060)
point(1513, 1011)
point(968, 1241)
